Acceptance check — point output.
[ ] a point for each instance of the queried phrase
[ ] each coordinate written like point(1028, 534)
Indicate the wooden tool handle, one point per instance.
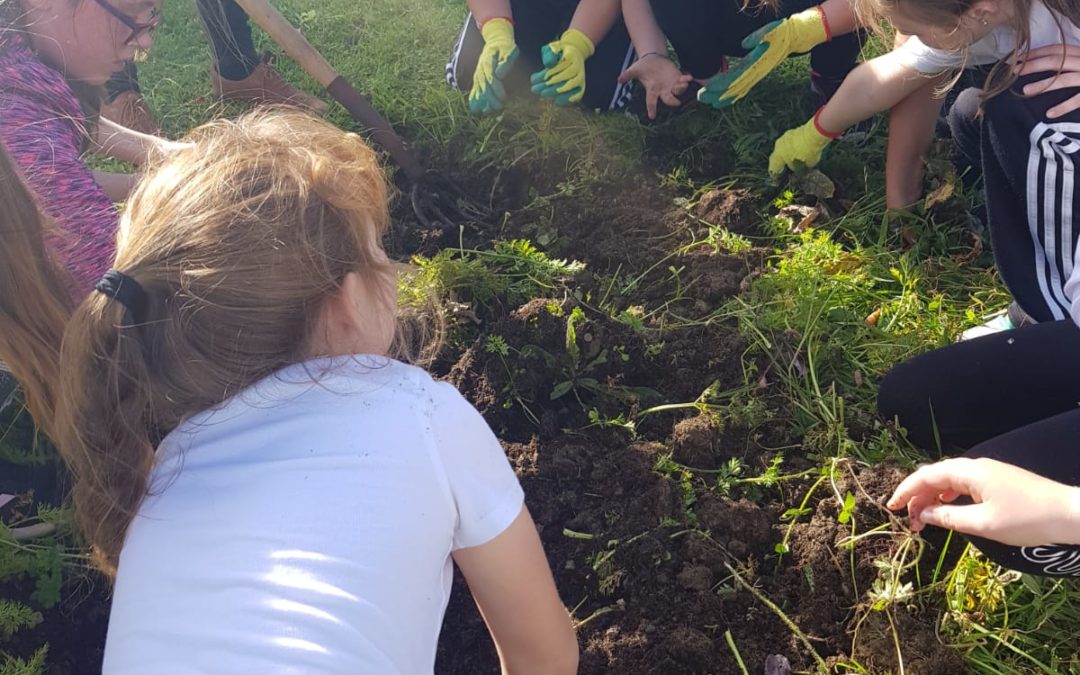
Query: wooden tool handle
point(291, 40)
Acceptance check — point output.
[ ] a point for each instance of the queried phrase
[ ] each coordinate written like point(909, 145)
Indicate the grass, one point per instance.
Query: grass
point(837, 306)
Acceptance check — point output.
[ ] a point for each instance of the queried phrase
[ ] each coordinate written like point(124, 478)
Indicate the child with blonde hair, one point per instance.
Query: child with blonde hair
point(272, 491)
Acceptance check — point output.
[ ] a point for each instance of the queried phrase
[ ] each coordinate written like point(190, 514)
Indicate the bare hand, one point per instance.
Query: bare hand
point(1012, 506)
point(662, 80)
point(1061, 60)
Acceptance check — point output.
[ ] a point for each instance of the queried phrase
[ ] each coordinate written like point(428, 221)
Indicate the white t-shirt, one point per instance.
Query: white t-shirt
point(996, 46)
point(305, 526)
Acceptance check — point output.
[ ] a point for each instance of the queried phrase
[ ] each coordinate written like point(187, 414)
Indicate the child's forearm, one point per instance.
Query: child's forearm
point(595, 18)
point(840, 16)
point(645, 32)
point(116, 186)
point(911, 129)
point(873, 87)
point(112, 140)
point(482, 10)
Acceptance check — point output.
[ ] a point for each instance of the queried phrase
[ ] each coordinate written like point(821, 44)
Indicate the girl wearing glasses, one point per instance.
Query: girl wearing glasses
point(239, 72)
point(54, 56)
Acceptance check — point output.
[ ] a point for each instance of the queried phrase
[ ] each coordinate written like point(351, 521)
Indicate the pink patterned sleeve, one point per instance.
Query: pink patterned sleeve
point(46, 149)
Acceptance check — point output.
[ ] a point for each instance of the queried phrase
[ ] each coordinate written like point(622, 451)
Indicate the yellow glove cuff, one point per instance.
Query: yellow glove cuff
point(498, 29)
point(579, 41)
point(809, 28)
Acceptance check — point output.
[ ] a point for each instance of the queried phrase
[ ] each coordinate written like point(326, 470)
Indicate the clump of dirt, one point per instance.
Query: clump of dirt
point(729, 209)
point(644, 575)
point(545, 374)
point(707, 441)
point(623, 226)
point(694, 441)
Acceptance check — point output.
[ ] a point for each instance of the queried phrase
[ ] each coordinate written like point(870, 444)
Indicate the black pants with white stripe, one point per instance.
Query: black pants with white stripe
point(1012, 396)
point(536, 23)
point(1028, 168)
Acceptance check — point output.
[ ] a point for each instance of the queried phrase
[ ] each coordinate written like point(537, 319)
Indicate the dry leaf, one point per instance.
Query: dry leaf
point(817, 184)
point(942, 194)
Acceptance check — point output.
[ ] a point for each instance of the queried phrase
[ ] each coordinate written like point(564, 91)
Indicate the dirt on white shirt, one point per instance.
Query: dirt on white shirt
point(306, 526)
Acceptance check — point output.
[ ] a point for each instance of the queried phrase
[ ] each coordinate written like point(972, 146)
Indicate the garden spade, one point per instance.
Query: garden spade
point(435, 199)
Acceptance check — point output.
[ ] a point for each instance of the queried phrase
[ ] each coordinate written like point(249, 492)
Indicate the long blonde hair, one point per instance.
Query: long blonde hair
point(238, 242)
point(948, 14)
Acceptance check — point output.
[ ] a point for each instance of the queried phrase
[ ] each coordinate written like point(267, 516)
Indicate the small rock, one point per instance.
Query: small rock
point(777, 664)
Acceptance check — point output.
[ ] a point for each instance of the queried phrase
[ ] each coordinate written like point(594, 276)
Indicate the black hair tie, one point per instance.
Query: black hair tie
point(125, 290)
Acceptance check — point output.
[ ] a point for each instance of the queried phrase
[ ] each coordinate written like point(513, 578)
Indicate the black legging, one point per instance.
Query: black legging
point(705, 32)
point(1012, 396)
point(229, 34)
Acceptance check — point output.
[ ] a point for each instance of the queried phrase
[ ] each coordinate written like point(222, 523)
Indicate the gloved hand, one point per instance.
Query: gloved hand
point(500, 52)
point(769, 46)
point(563, 76)
point(802, 145)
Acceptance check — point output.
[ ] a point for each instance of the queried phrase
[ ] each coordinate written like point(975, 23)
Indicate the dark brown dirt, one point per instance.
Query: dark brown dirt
point(729, 209)
point(646, 558)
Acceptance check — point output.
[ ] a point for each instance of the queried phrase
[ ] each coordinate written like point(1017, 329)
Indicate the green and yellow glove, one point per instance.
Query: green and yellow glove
point(803, 145)
point(769, 46)
point(500, 52)
point(563, 76)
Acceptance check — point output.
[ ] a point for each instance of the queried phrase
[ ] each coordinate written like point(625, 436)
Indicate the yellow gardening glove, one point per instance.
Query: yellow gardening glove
point(500, 52)
point(803, 145)
point(768, 46)
point(563, 76)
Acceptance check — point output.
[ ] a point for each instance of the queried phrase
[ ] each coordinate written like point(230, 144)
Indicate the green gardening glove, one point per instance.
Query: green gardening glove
point(803, 145)
point(563, 76)
point(768, 46)
point(500, 52)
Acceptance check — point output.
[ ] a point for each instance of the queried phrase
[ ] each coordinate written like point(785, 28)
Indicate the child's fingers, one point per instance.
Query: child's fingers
point(1049, 63)
point(1054, 51)
point(754, 39)
point(1053, 83)
point(1065, 108)
point(497, 93)
point(915, 507)
point(748, 74)
point(777, 163)
point(951, 475)
point(650, 104)
point(549, 57)
point(671, 99)
point(968, 519)
point(503, 68)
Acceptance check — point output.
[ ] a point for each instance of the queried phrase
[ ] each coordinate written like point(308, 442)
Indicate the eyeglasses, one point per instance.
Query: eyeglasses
point(138, 29)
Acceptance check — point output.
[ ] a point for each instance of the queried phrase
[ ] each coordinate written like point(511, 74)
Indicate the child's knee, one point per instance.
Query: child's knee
point(963, 115)
point(904, 397)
